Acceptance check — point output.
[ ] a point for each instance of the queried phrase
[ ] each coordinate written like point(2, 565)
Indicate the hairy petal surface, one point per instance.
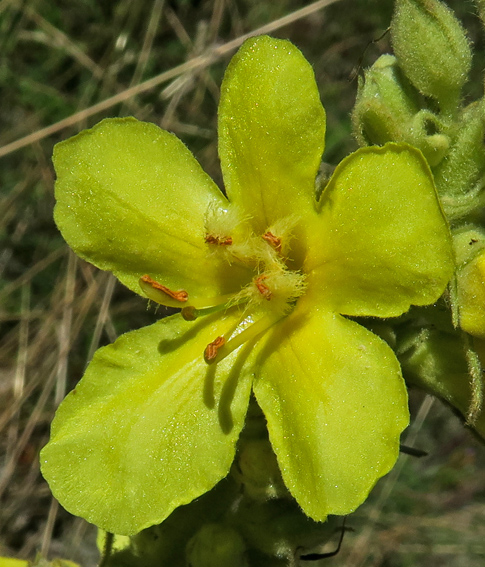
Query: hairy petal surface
point(132, 199)
point(335, 403)
point(271, 131)
point(150, 426)
point(383, 243)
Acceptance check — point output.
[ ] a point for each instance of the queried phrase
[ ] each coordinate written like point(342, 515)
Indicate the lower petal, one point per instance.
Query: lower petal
point(150, 426)
point(336, 404)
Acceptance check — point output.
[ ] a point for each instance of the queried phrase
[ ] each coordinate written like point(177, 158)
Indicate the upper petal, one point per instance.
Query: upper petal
point(132, 199)
point(335, 403)
point(150, 426)
point(383, 242)
point(271, 130)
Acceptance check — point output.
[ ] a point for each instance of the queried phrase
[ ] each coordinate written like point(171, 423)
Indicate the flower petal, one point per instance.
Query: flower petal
point(471, 296)
point(132, 199)
point(385, 243)
point(150, 426)
point(335, 403)
point(271, 131)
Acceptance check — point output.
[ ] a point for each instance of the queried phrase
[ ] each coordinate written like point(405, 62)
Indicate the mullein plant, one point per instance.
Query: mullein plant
point(238, 430)
point(415, 96)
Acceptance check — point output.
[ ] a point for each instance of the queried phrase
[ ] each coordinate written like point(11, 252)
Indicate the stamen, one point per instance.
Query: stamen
point(160, 293)
point(191, 312)
point(273, 241)
point(263, 288)
point(212, 239)
point(225, 348)
point(217, 302)
point(211, 350)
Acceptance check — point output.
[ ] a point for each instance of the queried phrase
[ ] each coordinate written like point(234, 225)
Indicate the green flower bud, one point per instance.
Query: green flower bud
point(435, 361)
point(215, 545)
point(385, 104)
point(278, 528)
point(469, 246)
point(432, 49)
point(459, 177)
point(433, 145)
point(468, 243)
point(387, 109)
point(256, 469)
point(471, 296)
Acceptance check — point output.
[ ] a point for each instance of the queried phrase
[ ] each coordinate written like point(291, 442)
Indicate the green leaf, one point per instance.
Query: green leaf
point(384, 243)
point(271, 131)
point(150, 427)
point(335, 403)
point(132, 199)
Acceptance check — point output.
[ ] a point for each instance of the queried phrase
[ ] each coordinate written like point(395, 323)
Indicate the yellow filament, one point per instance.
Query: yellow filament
point(248, 334)
point(204, 303)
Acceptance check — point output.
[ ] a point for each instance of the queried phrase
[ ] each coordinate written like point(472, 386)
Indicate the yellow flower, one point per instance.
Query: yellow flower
point(266, 276)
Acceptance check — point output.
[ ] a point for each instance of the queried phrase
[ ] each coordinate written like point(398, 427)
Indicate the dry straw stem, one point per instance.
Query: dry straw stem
point(211, 55)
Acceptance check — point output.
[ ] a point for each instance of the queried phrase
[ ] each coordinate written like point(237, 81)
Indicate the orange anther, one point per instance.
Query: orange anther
point(210, 239)
point(263, 288)
point(212, 349)
point(273, 241)
point(180, 295)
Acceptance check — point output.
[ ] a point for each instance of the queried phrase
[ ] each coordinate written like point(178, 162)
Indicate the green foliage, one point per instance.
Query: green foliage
point(433, 58)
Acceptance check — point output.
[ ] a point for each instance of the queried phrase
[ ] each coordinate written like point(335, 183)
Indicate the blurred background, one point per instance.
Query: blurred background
point(70, 64)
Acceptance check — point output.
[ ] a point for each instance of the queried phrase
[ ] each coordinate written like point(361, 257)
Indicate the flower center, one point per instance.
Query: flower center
point(267, 297)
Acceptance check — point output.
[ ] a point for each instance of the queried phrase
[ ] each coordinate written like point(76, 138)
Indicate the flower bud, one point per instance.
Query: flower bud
point(278, 528)
point(215, 545)
point(425, 134)
point(432, 49)
point(387, 110)
point(385, 105)
point(471, 296)
point(459, 177)
point(469, 246)
point(256, 469)
point(434, 361)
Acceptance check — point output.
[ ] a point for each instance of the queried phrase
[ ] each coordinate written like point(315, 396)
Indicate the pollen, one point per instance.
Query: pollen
point(267, 290)
point(212, 349)
point(211, 239)
point(279, 234)
point(263, 288)
point(273, 241)
point(220, 224)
